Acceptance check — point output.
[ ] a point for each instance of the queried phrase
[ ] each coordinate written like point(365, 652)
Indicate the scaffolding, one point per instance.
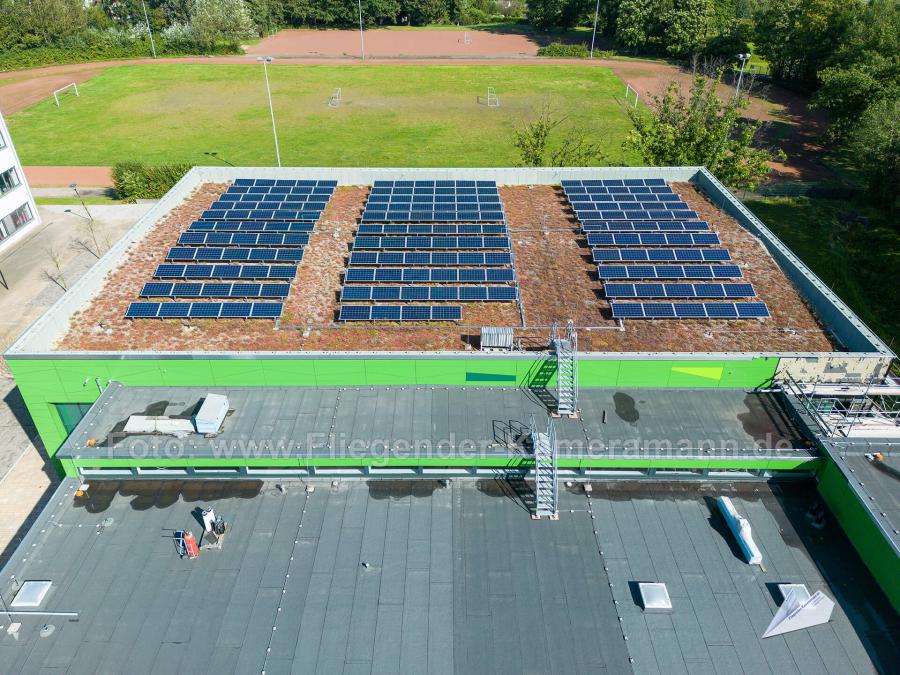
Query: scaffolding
point(870, 408)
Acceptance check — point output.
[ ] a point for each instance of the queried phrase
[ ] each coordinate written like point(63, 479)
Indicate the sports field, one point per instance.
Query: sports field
point(391, 115)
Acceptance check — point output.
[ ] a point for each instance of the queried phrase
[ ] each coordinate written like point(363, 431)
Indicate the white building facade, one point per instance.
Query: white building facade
point(18, 212)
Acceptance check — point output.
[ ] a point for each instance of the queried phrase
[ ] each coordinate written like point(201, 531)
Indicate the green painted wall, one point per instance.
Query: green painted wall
point(44, 383)
point(870, 543)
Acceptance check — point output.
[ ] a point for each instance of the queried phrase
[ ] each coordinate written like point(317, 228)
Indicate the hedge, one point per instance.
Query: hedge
point(136, 180)
point(559, 50)
point(22, 59)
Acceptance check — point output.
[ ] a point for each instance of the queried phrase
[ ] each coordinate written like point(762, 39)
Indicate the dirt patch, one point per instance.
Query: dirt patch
point(397, 44)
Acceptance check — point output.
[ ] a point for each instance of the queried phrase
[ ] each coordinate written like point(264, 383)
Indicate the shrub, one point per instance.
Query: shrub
point(136, 180)
point(560, 50)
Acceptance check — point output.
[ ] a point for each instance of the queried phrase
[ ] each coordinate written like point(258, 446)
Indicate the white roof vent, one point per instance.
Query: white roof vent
point(654, 595)
point(31, 594)
point(211, 414)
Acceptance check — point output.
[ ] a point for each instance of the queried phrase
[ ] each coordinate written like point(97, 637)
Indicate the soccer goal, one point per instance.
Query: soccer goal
point(467, 39)
point(634, 94)
point(62, 90)
point(335, 99)
point(492, 100)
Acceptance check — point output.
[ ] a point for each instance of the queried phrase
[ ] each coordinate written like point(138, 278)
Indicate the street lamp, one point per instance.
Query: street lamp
point(743, 58)
point(149, 30)
point(594, 33)
point(362, 42)
point(265, 61)
point(74, 187)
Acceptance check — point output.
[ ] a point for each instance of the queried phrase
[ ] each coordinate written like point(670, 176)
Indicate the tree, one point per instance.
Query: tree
point(533, 139)
point(634, 25)
point(424, 12)
point(547, 14)
point(797, 37)
point(864, 69)
point(215, 21)
point(686, 27)
point(875, 147)
point(701, 130)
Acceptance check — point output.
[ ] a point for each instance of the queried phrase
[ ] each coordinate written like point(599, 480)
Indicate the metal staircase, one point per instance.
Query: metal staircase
point(546, 485)
point(566, 349)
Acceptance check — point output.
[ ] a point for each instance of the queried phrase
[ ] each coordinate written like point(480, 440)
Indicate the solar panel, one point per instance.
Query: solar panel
point(688, 310)
point(652, 239)
point(430, 242)
point(430, 259)
point(203, 310)
point(644, 226)
point(242, 239)
point(214, 290)
point(669, 271)
point(650, 290)
point(249, 226)
point(426, 293)
point(279, 272)
point(397, 313)
point(661, 255)
point(431, 229)
point(236, 254)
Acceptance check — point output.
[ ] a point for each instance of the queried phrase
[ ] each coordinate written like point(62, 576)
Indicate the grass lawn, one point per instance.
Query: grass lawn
point(391, 115)
point(858, 261)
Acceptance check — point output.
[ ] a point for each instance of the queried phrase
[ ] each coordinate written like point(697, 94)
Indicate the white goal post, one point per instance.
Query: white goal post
point(63, 89)
point(629, 88)
point(493, 100)
point(335, 99)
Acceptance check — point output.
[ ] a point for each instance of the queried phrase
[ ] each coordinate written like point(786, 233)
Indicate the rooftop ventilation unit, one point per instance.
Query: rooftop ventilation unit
point(211, 414)
point(496, 338)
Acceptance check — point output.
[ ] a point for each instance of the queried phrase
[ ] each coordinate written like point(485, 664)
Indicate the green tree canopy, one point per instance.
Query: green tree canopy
point(700, 129)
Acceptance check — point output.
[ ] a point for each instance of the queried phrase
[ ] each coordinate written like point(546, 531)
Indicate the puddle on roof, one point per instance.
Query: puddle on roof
point(161, 494)
point(626, 408)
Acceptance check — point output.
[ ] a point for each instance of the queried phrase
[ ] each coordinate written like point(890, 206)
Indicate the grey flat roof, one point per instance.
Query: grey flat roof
point(877, 483)
point(442, 421)
point(456, 579)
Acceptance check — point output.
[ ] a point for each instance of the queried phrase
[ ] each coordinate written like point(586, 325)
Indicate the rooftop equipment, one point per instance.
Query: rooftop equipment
point(740, 527)
point(209, 418)
point(496, 338)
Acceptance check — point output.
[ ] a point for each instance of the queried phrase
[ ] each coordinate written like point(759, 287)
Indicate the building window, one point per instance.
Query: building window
point(71, 413)
point(15, 220)
point(9, 179)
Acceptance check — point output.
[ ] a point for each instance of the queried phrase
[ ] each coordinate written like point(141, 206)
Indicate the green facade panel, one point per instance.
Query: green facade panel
point(874, 549)
point(47, 382)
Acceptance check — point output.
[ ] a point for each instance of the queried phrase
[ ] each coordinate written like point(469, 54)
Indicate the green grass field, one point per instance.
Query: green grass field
point(405, 115)
point(857, 260)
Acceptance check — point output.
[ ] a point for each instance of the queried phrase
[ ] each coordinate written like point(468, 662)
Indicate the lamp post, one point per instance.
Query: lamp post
point(362, 42)
point(743, 58)
point(74, 187)
point(265, 61)
point(594, 33)
point(149, 30)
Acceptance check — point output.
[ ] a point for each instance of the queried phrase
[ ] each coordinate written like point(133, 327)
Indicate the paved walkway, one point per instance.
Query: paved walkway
point(26, 477)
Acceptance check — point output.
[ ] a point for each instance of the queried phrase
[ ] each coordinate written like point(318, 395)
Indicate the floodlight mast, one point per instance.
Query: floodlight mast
point(362, 41)
point(743, 58)
point(265, 60)
point(149, 30)
point(594, 33)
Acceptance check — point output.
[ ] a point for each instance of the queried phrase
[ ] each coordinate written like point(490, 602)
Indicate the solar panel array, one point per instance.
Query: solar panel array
point(268, 199)
point(423, 236)
point(636, 223)
point(257, 231)
point(422, 201)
